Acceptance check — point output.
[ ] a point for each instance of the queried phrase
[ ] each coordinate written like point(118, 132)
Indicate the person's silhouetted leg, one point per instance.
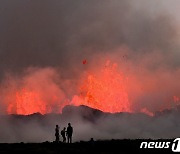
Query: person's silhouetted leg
point(70, 139)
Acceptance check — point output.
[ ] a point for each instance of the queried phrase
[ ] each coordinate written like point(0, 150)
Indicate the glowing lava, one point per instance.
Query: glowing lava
point(28, 102)
point(102, 87)
point(105, 91)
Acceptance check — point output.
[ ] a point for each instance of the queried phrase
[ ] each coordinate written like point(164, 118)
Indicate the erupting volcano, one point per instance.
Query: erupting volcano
point(105, 90)
point(105, 87)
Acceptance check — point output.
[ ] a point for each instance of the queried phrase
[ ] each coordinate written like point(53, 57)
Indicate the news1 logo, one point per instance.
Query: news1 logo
point(159, 144)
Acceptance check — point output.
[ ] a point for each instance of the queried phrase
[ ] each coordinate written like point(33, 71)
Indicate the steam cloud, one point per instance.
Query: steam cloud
point(42, 45)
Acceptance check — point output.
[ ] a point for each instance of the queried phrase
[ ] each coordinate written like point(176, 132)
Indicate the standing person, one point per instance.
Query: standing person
point(57, 133)
point(63, 134)
point(69, 133)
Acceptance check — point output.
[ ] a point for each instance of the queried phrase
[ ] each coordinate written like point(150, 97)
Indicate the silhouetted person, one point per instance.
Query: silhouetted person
point(57, 133)
point(91, 142)
point(63, 134)
point(69, 133)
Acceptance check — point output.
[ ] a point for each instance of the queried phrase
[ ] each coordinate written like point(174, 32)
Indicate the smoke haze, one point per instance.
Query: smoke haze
point(89, 124)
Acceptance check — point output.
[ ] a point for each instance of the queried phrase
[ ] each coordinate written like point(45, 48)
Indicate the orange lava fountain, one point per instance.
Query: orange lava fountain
point(28, 102)
point(105, 90)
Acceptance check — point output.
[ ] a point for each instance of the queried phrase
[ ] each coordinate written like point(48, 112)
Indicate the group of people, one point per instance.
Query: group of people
point(64, 133)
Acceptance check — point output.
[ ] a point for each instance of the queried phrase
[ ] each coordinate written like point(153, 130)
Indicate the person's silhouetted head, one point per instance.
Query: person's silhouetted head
point(69, 124)
point(64, 128)
point(57, 126)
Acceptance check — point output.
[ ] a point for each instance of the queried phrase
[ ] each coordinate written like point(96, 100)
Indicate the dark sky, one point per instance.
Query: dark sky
point(61, 33)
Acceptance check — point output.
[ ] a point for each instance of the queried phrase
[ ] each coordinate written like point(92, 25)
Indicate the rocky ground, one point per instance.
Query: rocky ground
point(99, 147)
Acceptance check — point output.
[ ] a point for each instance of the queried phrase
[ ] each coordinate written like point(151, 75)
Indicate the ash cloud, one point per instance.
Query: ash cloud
point(62, 33)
